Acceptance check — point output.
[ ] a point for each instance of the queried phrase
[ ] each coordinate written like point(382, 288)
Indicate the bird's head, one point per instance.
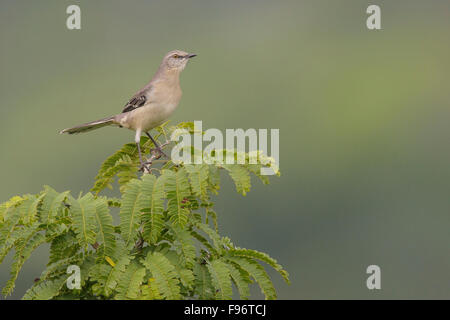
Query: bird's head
point(177, 59)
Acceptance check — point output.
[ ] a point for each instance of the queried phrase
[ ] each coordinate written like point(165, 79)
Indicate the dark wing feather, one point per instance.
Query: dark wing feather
point(139, 99)
point(135, 102)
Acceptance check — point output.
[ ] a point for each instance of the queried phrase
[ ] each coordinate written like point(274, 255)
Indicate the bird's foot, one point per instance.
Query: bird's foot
point(144, 167)
point(158, 153)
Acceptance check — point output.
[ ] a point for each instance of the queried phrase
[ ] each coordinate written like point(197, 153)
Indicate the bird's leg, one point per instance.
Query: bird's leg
point(157, 146)
point(138, 144)
point(143, 165)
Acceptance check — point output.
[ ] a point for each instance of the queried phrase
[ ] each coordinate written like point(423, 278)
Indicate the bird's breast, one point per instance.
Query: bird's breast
point(161, 103)
point(152, 114)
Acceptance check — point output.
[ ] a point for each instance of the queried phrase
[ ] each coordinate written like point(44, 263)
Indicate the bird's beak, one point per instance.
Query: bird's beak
point(191, 55)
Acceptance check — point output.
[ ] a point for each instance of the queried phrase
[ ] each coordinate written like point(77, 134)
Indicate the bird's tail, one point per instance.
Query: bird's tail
point(90, 126)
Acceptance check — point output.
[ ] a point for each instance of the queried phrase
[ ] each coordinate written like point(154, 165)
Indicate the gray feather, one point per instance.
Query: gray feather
point(90, 126)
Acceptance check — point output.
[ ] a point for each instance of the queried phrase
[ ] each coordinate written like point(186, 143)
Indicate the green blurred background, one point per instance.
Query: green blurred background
point(364, 123)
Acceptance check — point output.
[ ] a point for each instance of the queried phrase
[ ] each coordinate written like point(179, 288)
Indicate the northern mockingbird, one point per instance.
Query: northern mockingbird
point(150, 106)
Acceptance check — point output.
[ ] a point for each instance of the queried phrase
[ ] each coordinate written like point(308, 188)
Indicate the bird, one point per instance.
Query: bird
point(150, 106)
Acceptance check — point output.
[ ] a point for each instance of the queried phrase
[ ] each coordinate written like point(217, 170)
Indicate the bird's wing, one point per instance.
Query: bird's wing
point(138, 100)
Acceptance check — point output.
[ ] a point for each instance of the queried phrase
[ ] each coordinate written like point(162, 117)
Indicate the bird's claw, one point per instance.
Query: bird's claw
point(158, 153)
point(144, 167)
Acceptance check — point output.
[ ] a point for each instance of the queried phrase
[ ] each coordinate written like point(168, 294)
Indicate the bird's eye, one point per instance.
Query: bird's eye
point(176, 56)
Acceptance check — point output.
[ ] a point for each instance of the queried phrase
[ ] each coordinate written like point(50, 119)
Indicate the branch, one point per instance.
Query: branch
point(155, 156)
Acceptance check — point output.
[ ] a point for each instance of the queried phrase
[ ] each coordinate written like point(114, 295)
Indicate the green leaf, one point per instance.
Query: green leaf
point(29, 208)
point(126, 171)
point(105, 231)
point(123, 163)
point(83, 213)
point(23, 252)
point(256, 170)
point(220, 277)
point(99, 275)
point(152, 214)
point(214, 178)
point(203, 285)
point(185, 275)
point(45, 290)
point(257, 272)
point(51, 205)
point(177, 190)
point(205, 242)
point(129, 285)
point(185, 248)
point(213, 215)
point(63, 246)
point(240, 176)
point(10, 232)
point(150, 291)
point(198, 177)
point(59, 267)
point(165, 276)
point(253, 254)
point(107, 277)
point(119, 161)
point(86, 265)
point(241, 280)
point(213, 235)
point(9, 207)
point(130, 211)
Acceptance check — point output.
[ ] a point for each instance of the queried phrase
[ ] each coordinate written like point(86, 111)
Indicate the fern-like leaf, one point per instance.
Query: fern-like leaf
point(110, 167)
point(51, 205)
point(184, 246)
point(212, 234)
point(185, 275)
point(203, 284)
point(63, 246)
point(59, 267)
point(220, 277)
point(204, 242)
point(127, 170)
point(11, 232)
point(123, 163)
point(23, 252)
point(83, 214)
point(130, 211)
point(257, 272)
point(198, 177)
point(214, 179)
point(106, 277)
point(165, 276)
point(9, 207)
point(211, 214)
point(152, 214)
point(105, 231)
point(150, 291)
point(240, 176)
point(129, 285)
point(29, 209)
point(241, 280)
point(253, 254)
point(177, 190)
point(45, 290)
